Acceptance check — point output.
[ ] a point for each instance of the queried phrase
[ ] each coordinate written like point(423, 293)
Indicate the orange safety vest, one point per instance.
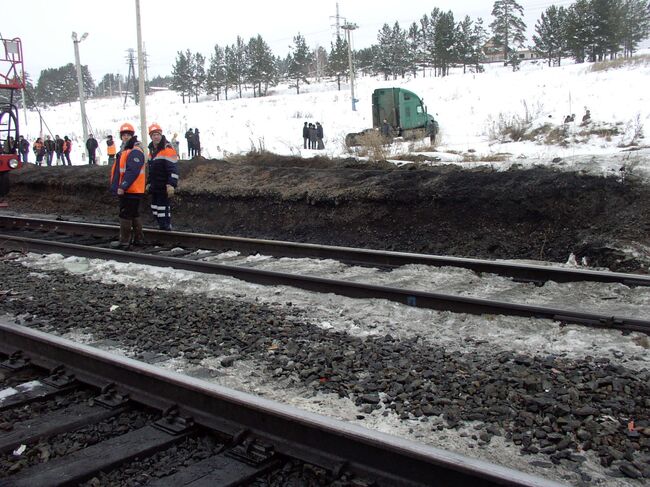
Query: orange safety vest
point(111, 150)
point(138, 185)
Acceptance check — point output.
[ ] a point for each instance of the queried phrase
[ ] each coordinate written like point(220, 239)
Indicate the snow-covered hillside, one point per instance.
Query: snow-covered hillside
point(468, 107)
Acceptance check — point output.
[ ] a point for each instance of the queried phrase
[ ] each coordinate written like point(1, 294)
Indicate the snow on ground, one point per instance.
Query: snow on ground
point(376, 317)
point(467, 106)
point(485, 335)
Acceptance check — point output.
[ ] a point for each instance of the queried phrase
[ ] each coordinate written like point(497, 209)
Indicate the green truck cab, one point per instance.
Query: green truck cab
point(405, 115)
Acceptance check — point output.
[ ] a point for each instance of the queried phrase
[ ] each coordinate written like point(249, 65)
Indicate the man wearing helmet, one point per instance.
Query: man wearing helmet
point(128, 183)
point(163, 176)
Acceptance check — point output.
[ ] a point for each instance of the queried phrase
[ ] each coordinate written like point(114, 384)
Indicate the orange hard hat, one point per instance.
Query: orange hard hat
point(127, 127)
point(154, 127)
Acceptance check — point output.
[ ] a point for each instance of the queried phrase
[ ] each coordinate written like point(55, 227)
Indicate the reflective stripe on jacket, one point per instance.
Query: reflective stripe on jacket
point(163, 167)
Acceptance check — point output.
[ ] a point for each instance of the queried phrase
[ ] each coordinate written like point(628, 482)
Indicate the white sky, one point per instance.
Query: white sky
point(169, 26)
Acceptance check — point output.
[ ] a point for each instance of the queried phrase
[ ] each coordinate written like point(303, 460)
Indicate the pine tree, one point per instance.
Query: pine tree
point(401, 58)
point(635, 24)
point(429, 24)
point(508, 27)
point(261, 65)
point(579, 29)
point(464, 42)
point(231, 76)
point(415, 41)
point(198, 74)
point(479, 36)
point(338, 64)
point(444, 42)
point(239, 64)
point(182, 76)
point(549, 38)
point(365, 60)
point(384, 60)
point(299, 65)
point(216, 76)
point(607, 28)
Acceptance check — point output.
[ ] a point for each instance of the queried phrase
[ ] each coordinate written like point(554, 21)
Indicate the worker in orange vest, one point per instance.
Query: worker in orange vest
point(111, 150)
point(128, 182)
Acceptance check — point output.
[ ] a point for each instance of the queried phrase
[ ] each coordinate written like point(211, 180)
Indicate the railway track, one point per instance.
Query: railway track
point(244, 440)
point(179, 250)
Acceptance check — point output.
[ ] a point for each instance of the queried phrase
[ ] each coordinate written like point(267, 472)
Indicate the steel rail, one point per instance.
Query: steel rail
point(367, 257)
point(327, 442)
point(422, 299)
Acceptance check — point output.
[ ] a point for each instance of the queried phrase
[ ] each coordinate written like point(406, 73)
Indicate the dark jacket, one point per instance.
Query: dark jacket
point(163, 169)
point(319, 130)
point(189, 135)
point(305, 131)
point(92, 144)
point(49, 145)
point(58, 144)
point(23, 145)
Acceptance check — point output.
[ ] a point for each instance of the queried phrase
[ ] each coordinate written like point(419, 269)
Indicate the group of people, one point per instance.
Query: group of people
point(44, 150)
point(586, 118)
point(193, 142)
point(312, 136)
point(129, 182)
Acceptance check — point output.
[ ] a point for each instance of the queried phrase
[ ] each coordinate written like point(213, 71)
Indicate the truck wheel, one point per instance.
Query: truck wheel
point(4, 183)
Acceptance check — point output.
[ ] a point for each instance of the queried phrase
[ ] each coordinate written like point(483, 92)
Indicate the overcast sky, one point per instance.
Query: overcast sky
point(169, 26)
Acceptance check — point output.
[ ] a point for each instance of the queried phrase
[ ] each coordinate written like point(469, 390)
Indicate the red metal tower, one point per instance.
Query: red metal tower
point(12, 80)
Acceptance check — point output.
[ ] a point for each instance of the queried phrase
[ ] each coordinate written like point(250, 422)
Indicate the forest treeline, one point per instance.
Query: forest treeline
point(586, 31)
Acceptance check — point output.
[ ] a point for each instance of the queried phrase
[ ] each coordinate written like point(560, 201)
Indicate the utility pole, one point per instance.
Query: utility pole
point(81, 84)
point(348, 28)
point(143, 108)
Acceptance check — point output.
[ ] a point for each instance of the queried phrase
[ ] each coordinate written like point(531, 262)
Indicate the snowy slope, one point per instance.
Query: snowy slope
point(466, 105)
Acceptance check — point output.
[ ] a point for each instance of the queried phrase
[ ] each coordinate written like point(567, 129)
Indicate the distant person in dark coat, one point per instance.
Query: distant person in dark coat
point(58, 147)
point(197, 143)
point(189, 136)
point(23, 148)
point(92, 145)
point(305, 135)
point(586, 118)
point(319, 136)
point(312, 136)
point(50, 147)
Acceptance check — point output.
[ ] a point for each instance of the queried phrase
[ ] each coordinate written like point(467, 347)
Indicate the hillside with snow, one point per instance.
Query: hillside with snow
point(471, 108)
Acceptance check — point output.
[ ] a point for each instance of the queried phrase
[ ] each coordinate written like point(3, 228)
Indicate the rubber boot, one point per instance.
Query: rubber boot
point(125, 235)
point(138, 234)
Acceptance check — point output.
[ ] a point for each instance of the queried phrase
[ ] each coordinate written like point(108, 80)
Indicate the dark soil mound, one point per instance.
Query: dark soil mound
point(518, 214)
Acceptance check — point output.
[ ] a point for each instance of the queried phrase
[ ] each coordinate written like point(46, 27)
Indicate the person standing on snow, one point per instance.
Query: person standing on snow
point(58, 147)
point(163, 176)
point(110, 149)
point(67, 148)
point(319, 136)
point(50, 146)
point(92, 145)
point(189, 136)
point(197, 143)
point(305, 135)
point(23, 148)
point(176, 144)
point(128, 183)
point(39, 151)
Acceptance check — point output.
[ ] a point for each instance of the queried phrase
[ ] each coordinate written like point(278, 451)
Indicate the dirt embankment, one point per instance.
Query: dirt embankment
point(516, 214)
